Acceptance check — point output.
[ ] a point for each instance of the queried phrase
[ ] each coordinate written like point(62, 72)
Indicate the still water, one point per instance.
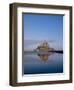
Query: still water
point(34, 63)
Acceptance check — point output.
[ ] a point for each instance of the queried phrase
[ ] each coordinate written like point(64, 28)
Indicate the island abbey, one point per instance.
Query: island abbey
point(44, 47)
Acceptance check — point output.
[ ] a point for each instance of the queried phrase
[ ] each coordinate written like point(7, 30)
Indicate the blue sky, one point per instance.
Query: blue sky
point(43, 27)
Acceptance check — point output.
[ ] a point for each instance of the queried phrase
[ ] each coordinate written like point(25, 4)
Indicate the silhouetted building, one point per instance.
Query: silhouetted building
point(44, 47)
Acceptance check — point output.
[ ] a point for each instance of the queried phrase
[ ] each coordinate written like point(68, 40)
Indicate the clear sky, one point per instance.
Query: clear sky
point(43, 27)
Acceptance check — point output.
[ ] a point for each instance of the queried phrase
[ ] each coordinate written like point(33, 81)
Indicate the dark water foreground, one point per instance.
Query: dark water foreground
point(38, 63)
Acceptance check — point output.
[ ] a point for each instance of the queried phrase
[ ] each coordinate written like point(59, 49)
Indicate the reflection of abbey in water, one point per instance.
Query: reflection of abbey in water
point(44, 57)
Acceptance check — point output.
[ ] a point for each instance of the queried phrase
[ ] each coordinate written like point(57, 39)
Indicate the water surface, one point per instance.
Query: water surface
point(34, 63)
